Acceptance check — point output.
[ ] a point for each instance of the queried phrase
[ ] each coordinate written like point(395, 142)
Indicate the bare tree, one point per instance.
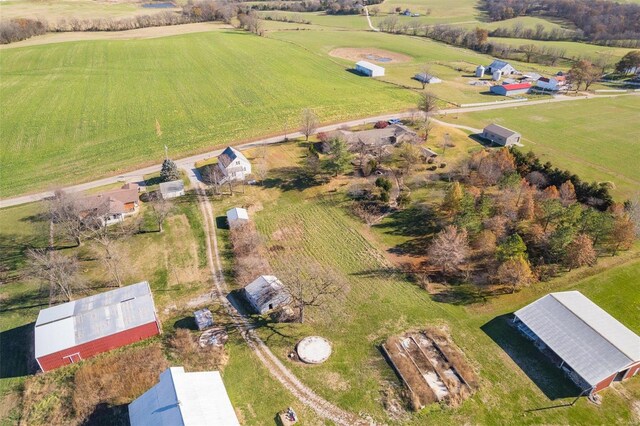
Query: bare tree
point(428, 103)
point(58, 271)
point(425, 71)
point(308, 122)
point(310, 285)
point(160, 210)
point(65, 213)
point(105, 238)
point(515, 272)
point(449, 249)
point(425, 126)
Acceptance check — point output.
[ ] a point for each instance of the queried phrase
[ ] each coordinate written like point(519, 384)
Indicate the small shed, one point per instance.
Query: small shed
point(368, 69)
point(266, 293)
point(424, 77)
point(501, 135)
point(204, 319)
point(591, 346)
point(237, 216)
point(188, 399)
point(172, 189)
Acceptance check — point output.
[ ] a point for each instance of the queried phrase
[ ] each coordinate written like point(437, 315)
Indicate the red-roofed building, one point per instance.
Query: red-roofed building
point(511, 89)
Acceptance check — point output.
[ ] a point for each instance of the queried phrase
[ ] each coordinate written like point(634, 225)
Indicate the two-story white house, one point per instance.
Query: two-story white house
point(233, 165)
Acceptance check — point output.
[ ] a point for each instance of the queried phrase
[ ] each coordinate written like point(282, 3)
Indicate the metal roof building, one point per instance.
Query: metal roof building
point(591, 343)
point(79, 329)
point(171, 189)
point(369, 69)
point(266, 293)
point(184, 399)
point(237, 215)
point(501, 135)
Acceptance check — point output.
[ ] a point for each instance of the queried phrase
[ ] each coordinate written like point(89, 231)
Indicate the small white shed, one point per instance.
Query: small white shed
point(237, 215)
point(369, 69)
point(172, 189)
point(266, 293)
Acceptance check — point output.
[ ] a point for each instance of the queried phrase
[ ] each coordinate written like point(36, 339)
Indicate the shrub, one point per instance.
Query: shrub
point(384, 184)
point(381, 125)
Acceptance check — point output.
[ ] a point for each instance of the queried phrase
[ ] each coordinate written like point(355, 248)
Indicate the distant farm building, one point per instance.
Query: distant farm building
point(501, 135)
point(424, 77)
point(266, 293)
point(511, 89)
point(112, 206)
point(552, 84)
point(185, 399)
point(232, 166)
point(203, 318)
point(80, 329)
point(172, 189)
point(504, 67)
point(368, 69)
point(376, 139)
point(480, 71)
point(237, 216)
point(591, 346)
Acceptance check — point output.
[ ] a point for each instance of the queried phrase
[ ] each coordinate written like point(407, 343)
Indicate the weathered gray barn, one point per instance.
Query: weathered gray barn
point(501, 135)
point(592, 347)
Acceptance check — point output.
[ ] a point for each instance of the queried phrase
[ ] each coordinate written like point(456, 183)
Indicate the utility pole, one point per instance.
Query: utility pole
point(166, 152)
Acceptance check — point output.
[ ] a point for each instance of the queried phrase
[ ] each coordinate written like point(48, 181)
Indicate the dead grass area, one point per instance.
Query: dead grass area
point(98, 387)
point(184, 348)
point(370, 54)
point(432, 367)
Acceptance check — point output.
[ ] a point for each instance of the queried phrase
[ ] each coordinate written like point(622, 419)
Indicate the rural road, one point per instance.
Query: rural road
point(323, 408)
point(366, 13)
point(188, 162)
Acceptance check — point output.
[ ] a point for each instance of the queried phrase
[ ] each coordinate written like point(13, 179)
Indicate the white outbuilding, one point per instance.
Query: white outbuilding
point(479, 71)
point(237, 216)
point(186, 399)
point(172, 189)
point(427, 78)
point(369, 69)
point(266, 293)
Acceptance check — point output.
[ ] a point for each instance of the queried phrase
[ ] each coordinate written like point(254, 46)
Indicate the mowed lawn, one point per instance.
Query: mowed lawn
point(380, 303)
point(598, 139)
point(73, 112)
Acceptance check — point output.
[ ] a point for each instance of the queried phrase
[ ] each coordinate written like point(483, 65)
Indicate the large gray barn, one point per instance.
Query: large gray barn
point(501, 135)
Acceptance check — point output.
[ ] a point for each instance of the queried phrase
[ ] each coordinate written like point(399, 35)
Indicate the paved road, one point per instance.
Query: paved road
point(323, 408)
point(188, 162)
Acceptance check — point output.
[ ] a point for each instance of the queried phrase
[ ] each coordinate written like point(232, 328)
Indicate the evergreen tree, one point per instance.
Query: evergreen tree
point(169, 171)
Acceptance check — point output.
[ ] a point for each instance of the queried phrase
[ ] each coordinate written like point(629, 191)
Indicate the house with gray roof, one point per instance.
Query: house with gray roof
point(501, 135)
point(592, 347)
point(232, 166)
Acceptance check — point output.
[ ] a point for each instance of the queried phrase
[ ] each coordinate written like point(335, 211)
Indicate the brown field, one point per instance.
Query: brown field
point(369, 54)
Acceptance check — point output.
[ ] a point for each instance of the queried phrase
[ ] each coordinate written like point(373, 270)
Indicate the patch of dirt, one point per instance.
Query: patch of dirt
point(370, 54)
point(289, 233)
point(635, 409)
point(336, 382)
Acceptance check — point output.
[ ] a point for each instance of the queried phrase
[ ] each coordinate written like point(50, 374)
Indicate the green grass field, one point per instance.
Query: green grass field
point(304, 225)
point(82, 9)
point(573, 50)
point(579, 136)
point(88, 109)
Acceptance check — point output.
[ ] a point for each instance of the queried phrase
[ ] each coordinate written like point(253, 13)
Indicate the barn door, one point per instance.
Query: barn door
point(73, 358)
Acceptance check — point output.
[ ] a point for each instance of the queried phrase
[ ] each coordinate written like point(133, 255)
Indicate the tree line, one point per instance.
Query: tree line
point(331, 7)
point(600, 21)
point(509, 220)
point(200, 11)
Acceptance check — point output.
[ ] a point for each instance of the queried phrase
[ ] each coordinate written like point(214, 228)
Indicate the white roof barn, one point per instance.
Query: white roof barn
point(502, 66)
point(266, 293)
point(369, 69)
point(591, 342)
point(184, 399)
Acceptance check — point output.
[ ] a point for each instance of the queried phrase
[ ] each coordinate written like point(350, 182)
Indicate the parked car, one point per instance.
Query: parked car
point(380, 125)
point(395, 121)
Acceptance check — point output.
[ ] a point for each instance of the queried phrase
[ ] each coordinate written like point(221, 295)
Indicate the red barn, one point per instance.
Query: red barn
point(591, 346)
point(80, 329)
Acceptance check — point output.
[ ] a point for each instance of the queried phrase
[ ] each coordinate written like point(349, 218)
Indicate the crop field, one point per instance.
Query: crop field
point(579, 136)
point(442, 11)
point(53, 10)
point(573, 50)
point(100, 105)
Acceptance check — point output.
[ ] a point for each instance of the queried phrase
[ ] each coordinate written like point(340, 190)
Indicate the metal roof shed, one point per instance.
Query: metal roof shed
point(266, 293)
point(592, 343)
point(184, 399)
point(82, 328)
point(369, 69)
point(237, 215)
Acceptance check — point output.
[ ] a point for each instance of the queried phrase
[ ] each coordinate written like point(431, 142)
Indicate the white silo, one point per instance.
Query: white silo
point(497, 74)
point(480, 71)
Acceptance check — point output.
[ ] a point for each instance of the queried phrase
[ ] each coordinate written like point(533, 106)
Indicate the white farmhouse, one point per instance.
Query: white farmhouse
point(368, 69)
point(181, 398)
point(233, 165)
